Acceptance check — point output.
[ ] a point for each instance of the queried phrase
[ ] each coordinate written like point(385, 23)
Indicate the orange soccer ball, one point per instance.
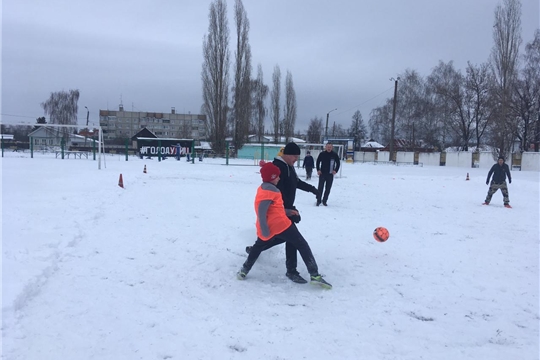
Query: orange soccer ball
point(381, 234)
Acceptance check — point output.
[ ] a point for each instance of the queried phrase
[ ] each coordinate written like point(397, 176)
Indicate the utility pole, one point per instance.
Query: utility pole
point(87, 116)
point(326, 128)
point(393, 118)
point(87, 130)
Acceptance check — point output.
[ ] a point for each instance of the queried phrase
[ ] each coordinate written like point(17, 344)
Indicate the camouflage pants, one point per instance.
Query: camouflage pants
point(493, 189)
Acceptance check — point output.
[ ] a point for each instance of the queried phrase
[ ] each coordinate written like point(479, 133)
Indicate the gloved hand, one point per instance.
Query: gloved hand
point(509, 181)
point(487, 182)
point(295, 218)
point(315, 191)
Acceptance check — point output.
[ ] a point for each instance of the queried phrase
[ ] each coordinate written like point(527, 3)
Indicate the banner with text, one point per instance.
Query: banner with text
point(167, 147)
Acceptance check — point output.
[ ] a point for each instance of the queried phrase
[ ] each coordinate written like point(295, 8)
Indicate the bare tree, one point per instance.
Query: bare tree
point(504, 58)
point(185, 129)
point(526, 99)
point(315, 130)
point(290, 108)
point(478, 82)
point(449, 84)
point(260, 92)
point(242, 78)
point(338, 130)
point(274, 102)
point(357, 130)
point(215, 74)
point(380, 120)
point(19, 132)
point(410, 112)
point(62, 107)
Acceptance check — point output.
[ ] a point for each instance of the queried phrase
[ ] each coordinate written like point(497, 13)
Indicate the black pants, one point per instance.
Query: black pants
point(325, 179)
point(309, 171)
point(294, 241)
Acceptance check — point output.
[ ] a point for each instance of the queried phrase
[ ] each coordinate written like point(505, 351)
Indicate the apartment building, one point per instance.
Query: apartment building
point(121, 124)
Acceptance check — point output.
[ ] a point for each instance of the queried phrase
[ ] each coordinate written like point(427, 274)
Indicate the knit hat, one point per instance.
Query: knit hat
point(309, 152)
point(269, 172)
point(291, 149)
point(501, 157)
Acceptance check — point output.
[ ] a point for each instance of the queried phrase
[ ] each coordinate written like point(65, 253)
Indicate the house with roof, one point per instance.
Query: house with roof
point(49, 138)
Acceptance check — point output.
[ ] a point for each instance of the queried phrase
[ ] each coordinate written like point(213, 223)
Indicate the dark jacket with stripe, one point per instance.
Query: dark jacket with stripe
point(328, 162)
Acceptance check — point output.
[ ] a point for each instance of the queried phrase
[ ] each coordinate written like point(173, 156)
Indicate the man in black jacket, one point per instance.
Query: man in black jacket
point(499, 171)
point(288, 184)
point(327, 166)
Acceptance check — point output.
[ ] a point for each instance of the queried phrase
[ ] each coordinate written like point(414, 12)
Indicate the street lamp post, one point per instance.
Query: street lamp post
point(392, 129)
point(326, 128)
point(87, 115)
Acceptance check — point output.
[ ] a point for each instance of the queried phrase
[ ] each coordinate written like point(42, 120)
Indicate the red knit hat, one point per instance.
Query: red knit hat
point(269, 172)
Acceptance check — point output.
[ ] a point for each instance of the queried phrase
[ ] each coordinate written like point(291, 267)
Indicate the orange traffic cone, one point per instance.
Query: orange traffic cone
point(121, 182)
point(144, 171)
point(467, 176)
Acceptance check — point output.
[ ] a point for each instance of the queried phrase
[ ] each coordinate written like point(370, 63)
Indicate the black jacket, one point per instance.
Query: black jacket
point(499, 173)
point(309, 162)
point(289, 182)
point(328, 162)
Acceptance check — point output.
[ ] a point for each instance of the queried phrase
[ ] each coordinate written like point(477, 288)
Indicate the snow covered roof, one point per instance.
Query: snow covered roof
point(373, 144)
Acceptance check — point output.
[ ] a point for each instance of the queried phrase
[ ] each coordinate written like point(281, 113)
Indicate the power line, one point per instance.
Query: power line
point(21, 116)
point(368, 100)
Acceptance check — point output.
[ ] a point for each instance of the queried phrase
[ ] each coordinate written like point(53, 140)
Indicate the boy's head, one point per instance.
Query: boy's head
point(270, 173)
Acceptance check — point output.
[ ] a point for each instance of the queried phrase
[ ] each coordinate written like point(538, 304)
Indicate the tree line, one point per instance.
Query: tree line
point(245, 112)
point(495, 103)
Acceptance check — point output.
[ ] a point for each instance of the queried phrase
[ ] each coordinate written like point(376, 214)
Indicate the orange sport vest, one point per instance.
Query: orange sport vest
point(276, 218)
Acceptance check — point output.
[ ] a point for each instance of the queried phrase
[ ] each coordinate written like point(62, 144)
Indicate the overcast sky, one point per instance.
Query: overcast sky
point(148, 54)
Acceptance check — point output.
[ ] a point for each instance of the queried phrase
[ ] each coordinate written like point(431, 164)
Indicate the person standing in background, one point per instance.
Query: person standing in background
point(327, 166)
point(308, 164)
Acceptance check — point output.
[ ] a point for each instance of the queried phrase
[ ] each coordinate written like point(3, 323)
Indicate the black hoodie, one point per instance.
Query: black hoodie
point(289, 182)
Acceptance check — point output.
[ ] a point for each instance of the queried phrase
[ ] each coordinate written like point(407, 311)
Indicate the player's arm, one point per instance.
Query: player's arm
point(262, 218)
point(490, 173)
point(302, 185)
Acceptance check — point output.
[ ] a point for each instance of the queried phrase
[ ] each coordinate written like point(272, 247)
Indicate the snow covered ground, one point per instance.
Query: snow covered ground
point(94, 271)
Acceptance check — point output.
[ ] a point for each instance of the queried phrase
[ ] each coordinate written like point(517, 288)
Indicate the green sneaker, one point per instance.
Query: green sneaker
point(241, 275)
point(318, 280)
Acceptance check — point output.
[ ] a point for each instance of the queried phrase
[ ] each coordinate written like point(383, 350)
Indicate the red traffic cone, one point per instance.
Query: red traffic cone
point(467, 176)
point(121, 182)
point(144, 171)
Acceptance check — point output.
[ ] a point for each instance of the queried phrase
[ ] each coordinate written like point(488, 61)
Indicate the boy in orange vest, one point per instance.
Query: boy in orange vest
point(274, 227)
